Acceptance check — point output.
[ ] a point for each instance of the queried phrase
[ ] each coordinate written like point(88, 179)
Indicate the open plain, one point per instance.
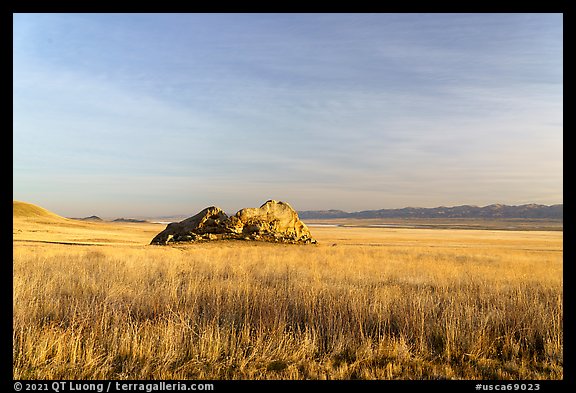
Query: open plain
point(93, 300)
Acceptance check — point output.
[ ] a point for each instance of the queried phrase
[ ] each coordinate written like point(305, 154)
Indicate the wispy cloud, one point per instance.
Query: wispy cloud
point(339, 111)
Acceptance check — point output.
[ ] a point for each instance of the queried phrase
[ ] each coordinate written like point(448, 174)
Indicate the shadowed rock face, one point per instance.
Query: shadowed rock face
point(209, 220)
point(273, 222)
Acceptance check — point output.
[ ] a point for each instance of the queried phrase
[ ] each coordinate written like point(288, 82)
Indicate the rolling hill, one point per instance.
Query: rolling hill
point(91, 218)
point(28, 211)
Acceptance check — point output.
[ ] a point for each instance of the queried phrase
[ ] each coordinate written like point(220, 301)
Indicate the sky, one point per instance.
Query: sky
point(166, 114)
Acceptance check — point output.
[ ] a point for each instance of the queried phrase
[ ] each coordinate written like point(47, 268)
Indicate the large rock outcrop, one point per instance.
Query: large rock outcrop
point(274, 221)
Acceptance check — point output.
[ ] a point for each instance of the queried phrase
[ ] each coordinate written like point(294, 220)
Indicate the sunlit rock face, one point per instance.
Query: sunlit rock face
point(274, 221)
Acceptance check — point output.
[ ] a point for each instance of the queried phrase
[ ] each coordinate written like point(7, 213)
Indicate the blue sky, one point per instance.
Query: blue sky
point(158, 114)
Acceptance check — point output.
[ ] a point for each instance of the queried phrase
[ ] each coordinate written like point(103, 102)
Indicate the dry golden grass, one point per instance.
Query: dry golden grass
point(364, 303)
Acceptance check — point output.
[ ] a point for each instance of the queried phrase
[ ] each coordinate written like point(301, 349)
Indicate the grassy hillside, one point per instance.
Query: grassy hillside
point(23, 210)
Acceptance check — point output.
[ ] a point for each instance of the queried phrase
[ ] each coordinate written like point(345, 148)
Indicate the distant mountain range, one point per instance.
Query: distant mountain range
point(495, 211)
point(464, 211)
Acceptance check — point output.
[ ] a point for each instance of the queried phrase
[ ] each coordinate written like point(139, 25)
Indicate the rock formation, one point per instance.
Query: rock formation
point(274, 221)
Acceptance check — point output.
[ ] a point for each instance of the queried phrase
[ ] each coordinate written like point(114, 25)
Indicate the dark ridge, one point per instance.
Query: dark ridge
point(128, 220)
point(91, 218)
point(465, 211)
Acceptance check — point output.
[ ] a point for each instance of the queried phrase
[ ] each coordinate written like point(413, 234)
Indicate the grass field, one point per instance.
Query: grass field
point(95, 301)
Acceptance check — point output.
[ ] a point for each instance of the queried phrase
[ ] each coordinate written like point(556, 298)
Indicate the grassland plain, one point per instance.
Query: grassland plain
point(94, 301)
